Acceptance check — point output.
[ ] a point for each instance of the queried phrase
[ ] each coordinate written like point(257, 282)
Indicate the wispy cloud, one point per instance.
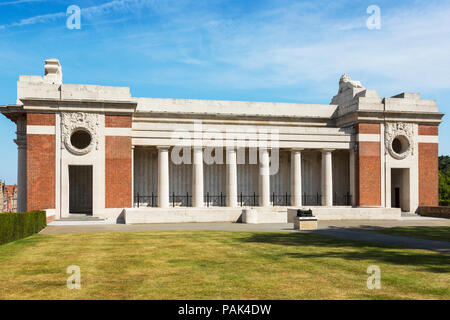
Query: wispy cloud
point(18, 2)
point(93, 12)
point(302, 47)
point(298, 44)
point(37, 19)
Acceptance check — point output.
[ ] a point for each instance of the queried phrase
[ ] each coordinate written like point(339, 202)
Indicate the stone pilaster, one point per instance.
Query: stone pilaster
point(21, 142)
point(296, 177)
point(264, 178)
point(327, 178)
point(231, 178)
point(163, 176)
point(352, 171)
point(197, 178)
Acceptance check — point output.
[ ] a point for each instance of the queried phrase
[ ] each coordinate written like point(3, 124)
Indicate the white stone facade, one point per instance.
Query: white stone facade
point(200, 160)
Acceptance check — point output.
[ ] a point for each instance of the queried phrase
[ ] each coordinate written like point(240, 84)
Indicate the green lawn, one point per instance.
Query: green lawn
point(429, 233)
point(216, 265)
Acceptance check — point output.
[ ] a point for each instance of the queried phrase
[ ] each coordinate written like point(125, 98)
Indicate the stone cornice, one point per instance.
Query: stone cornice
point(84, 105)
point(381, 116)
point(234, 119)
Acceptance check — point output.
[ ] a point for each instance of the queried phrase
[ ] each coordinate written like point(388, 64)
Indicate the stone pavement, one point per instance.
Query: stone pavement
point(379, 238)
point(349, 229)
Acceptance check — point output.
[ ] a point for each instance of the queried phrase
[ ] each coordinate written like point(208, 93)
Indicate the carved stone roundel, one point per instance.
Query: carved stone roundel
point(72, 122)
point(399, 140)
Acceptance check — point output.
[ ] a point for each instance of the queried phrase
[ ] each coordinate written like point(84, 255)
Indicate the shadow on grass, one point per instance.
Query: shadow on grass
point(353, 250)
point(436, 233)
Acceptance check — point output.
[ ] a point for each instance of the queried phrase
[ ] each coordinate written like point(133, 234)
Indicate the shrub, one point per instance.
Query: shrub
point(444, 203)
point(15, 226)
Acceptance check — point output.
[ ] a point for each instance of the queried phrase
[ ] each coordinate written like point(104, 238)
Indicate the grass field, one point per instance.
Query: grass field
point(216, 265)
point(429, 233)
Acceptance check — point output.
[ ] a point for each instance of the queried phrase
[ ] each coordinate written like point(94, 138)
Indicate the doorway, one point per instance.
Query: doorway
point(80, 190)
point(397, 198)
point(400, 195)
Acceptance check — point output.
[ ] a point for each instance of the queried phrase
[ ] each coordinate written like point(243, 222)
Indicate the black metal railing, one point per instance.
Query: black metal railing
point(152, 200)
point(281, 199)
point(146, 201)
point(243, 200)
point(312, 200)
point(181, 200)
point(215, 200)
point(248, 200)
point(342, 200)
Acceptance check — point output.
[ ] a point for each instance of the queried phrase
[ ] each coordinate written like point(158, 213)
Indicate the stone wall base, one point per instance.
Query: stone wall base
point(252, 215)
point(436, 212)
point(349, 213)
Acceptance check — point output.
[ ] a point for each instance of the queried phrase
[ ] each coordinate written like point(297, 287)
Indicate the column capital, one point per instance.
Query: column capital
point(327, 150)
point(21, 143)
point(162, 147)
point(297, 149)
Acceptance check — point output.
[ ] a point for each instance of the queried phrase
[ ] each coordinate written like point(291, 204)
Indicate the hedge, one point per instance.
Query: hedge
point(444, 203)
point(15, 226)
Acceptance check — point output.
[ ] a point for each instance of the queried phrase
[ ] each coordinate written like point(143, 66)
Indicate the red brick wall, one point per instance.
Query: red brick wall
point(368, 168)
point(40, 171)
point(118, 121)
point(118, 172)
point(368, 128)
point(428, 130)
point(40, 119)
point(368, 174)
point(428, 168)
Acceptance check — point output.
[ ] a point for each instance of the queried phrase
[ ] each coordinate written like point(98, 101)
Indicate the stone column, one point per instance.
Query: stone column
point(163, 176)
point(231, 177)
point(21, 142)
point(197, 178)
point(264, 178)
point(327, 178)
point(296, 177)
point(352, 172)
point(132, 176)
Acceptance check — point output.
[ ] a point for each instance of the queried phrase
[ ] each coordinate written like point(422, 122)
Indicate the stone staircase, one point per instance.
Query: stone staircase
point(79, 219)
point(409, 215)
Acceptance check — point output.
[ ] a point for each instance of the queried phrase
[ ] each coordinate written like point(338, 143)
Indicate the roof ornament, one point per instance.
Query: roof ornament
point(346, 83)
point(53, 71)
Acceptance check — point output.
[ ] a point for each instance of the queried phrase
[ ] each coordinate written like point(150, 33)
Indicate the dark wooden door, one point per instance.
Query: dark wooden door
point(397, 198)
point(80, 189)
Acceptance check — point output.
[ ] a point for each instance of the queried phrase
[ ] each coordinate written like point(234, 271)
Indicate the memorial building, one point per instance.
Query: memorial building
point(97, 150)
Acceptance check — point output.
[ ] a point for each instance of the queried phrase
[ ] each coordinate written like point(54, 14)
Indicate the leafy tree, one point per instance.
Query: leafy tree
point(444, 179)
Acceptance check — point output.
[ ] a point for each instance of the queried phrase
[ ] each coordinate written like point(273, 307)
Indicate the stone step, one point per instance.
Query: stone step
point(80, 217)
point(409, 214)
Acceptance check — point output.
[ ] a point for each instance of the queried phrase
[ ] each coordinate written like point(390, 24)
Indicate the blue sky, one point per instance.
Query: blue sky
point(283, 51)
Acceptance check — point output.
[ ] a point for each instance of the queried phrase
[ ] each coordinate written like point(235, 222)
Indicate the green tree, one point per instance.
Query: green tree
point(444, 179)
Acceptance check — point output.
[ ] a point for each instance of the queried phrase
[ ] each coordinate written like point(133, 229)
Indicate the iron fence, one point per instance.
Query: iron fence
point(312, 200)
point(152, 200)
point(342, 200)
point(215, 200)
point(181, 200)
point(146, 201)
point(281, 199)
point(248, 200)
point(243, 200)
